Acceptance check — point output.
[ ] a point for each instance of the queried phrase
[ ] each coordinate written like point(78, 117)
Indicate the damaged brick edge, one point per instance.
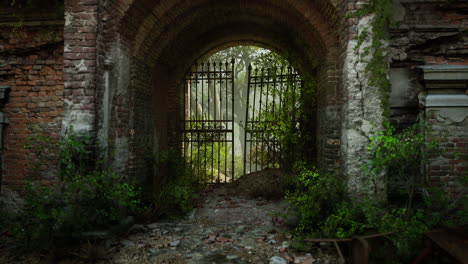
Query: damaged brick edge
point(4, 95)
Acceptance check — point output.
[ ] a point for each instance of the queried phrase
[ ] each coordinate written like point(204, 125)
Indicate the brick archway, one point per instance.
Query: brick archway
point(171, 39)
point(144, 47)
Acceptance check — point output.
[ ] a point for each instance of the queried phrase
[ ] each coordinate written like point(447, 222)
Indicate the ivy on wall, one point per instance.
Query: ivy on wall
point(376, 54)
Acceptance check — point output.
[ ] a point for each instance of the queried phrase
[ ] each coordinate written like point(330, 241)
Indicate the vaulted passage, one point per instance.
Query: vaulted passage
point(116, 68)
point(158, 42)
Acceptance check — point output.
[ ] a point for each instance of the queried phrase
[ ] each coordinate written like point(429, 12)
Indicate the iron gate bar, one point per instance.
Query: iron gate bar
point(261, 146)
point(206, 128)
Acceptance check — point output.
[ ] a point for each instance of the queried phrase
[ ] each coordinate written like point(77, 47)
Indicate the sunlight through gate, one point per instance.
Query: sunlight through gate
point(273, 99)
point(208, 135)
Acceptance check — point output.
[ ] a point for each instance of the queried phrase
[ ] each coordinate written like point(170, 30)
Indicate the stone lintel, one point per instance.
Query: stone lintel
point(445, 73)
point(446, 86)
point(447, 100)
point(427, 28)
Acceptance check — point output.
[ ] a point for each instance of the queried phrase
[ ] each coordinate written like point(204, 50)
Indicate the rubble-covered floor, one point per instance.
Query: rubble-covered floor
point(223, 229)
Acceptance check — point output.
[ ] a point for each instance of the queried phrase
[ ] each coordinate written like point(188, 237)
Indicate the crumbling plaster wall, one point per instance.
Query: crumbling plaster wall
point(108, 87)
point(429, 59)
point(427, 33)
point(362, 115)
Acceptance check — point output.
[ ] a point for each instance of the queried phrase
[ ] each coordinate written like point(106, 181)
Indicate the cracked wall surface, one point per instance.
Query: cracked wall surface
point(112, 68)
point(362, 115)
point(429, 55)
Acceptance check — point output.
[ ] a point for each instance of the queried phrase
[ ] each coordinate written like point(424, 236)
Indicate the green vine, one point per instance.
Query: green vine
point(377, 52)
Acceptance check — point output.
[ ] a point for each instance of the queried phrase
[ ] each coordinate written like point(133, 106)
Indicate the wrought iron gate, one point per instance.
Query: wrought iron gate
point(208, 130)
point(208, 136)
point(272, 97)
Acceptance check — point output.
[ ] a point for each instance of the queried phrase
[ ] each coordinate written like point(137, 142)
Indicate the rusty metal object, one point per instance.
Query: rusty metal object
point(453, 242)
point(360, 249)
point(342, 259)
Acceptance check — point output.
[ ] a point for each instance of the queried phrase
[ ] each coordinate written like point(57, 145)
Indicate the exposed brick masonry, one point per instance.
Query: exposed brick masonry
point(31, 62)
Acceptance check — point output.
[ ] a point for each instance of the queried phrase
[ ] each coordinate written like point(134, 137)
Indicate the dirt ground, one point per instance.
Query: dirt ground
point(225, 228)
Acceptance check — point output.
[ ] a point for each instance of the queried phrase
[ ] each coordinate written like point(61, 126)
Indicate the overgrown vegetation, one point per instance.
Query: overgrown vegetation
point(313, 196)
point(372, 44)
point(324, 208)
point(321, 202)
point(84, 196)
point(178, 185)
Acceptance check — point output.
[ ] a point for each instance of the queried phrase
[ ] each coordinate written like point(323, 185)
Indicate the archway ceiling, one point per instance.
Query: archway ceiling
point(171, 31)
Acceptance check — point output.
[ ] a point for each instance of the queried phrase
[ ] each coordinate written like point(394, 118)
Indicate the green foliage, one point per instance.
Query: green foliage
point(87, 197)
point(376, 54)
point(178, 187)
point(208, 159)
point(325, 211)
point(347, 220)
point(442, 209)
point(313, 196)
point(269, 60)
point(359, 217)
point(285, 119)
point(400, 156)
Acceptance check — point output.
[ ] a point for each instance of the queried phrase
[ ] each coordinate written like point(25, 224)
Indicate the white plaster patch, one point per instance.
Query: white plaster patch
point(81, 67)
point(67, 48)
point(68, 19)
point(79, 120)
point(361, 112)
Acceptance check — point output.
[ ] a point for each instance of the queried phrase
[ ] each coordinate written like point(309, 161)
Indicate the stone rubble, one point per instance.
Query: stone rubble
point(226, 229)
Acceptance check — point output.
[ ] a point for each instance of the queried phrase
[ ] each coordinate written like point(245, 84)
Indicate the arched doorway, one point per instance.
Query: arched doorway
point(245, 111)
point(162, 44)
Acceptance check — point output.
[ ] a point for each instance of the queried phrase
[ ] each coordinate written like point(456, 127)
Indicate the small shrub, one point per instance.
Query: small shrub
point(87, 197)
point(400, 156)
point(347, 220)
point(313, 196)
point(94, 253)
point(178, 186)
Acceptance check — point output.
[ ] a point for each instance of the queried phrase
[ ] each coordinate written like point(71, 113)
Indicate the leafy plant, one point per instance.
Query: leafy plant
point(400, 156)
point(94, 253)
point(84, 196)
point(347, 220)
point(179, 185)
point(313, 196)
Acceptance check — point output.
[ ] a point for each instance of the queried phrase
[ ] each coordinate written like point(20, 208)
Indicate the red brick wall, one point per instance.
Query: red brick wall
point(430, 32)
point(447, 169)
point(80, 63)
point(31, 62)
point(434, 32)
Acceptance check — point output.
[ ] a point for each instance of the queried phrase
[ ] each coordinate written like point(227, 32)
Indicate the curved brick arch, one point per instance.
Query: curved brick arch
point(144, 15)
point(239, 33)
point(146, 46)
point(160, 40)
